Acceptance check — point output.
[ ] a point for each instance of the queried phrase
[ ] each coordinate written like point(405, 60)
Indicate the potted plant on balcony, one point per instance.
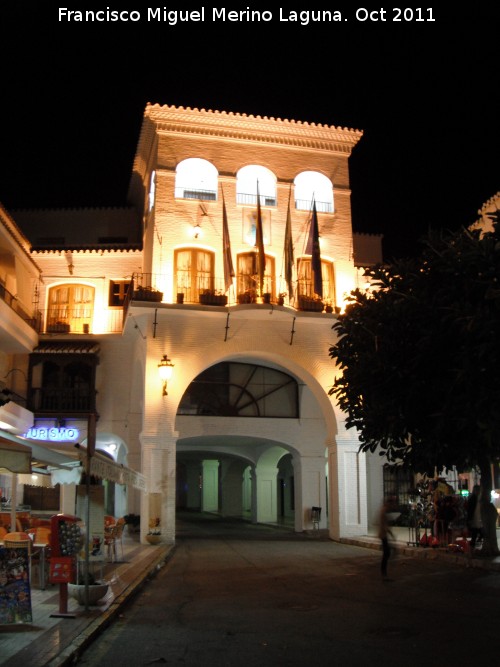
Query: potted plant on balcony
point(313, 303)
point(58, 327)
point(147, 294)
point(248, 296)
point(281, 298)
point(328, 306)
point(210, 297)
point(154, 533)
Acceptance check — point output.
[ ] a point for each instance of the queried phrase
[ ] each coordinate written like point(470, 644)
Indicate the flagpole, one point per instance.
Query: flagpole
point(316, 255)
point(314, 250)
point(226, 247)
point(289, 259)
point(259, 237)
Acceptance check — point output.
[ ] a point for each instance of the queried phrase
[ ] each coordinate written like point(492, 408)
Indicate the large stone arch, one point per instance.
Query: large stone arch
point(315, 384)
point(320, 427)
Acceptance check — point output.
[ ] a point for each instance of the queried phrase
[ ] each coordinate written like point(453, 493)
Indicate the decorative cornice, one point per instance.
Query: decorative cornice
point(493, 203)
point(242, 127)
point(91, 248)
point(18, 236)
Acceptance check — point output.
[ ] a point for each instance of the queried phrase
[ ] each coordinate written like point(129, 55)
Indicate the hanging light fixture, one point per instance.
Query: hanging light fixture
point(165, 370)
point(196, 230)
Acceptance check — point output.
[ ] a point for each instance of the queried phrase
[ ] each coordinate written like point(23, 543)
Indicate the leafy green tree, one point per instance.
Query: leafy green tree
point(420, 360)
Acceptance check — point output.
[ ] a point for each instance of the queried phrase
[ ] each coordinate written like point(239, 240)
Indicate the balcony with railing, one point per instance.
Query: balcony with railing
point(14, 304)
point(245, 290)
point(251, 199)
point(321, 206)
point(61, 400)
point(78, 320)
point(182, 192)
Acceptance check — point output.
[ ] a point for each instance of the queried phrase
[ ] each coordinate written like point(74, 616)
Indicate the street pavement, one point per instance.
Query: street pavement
point(230, 588)
point(235, 594)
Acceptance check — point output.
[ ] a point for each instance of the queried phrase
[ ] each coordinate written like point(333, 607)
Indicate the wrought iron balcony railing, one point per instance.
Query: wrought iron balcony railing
point(191, 193)
point(251, 199)
point(321, 206)
point(13, 303)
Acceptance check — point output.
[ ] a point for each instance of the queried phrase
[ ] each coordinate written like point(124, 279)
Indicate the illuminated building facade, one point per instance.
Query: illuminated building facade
point(210, 274)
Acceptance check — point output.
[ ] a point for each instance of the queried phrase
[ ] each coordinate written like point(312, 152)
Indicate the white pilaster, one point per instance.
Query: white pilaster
point(210, 486)
point(267, 499)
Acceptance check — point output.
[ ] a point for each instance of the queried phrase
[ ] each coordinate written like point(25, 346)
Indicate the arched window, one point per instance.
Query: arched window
point(246, 186)
point(312, 184)
point(247, 277)
point(196, 179)
point(232, 389)
point(305, 281)
point(194, 272)
point(70, 308)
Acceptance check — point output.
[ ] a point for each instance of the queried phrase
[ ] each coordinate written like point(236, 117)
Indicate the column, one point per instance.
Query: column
point(310, 490)
point(266, 493)
point(210, 486)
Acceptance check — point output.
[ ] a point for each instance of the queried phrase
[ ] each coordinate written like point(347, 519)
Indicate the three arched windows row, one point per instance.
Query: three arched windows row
point(194, 275)
point(198, 179)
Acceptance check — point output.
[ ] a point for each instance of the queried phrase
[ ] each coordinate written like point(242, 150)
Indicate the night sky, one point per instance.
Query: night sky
point(426, 95)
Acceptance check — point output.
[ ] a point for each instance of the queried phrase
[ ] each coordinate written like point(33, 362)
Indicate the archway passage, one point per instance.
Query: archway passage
point(235, 478)
point(245, 452)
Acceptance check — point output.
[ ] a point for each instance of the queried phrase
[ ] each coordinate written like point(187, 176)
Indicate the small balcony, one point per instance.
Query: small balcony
point(321, 206)
point(54, 401)
point(251, 199)
point(190, 193)
point(63, 320)
point(14, 304)
point(244, 291)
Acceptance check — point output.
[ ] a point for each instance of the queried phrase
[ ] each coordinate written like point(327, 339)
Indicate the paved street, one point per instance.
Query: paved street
point(237, 594)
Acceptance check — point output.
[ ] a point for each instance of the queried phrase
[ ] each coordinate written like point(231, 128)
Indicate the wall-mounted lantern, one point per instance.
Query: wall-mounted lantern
point(165, 370)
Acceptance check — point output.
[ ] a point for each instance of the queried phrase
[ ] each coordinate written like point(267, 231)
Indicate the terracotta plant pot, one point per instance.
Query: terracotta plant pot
point(153, 539)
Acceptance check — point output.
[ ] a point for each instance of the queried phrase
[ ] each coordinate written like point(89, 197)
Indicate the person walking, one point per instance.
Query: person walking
point(474, 521)
point(384, 532)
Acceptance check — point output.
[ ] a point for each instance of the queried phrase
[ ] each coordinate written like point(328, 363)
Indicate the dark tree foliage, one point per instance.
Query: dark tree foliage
point(420, 359)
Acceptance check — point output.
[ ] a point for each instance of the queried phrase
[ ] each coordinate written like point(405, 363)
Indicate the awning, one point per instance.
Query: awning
point(36, 479)
point(31, 454)
point(15, 418)
point(38, 454)
point(14, 457)
point(104, 468)
point(71, 347)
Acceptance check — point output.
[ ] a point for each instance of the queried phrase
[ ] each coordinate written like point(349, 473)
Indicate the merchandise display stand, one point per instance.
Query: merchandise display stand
point(65, 541)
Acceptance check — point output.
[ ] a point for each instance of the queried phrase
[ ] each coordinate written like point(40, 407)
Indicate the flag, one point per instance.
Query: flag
point(226, 249)
point(259, 241)
point(313, 249)
point(289, 249)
